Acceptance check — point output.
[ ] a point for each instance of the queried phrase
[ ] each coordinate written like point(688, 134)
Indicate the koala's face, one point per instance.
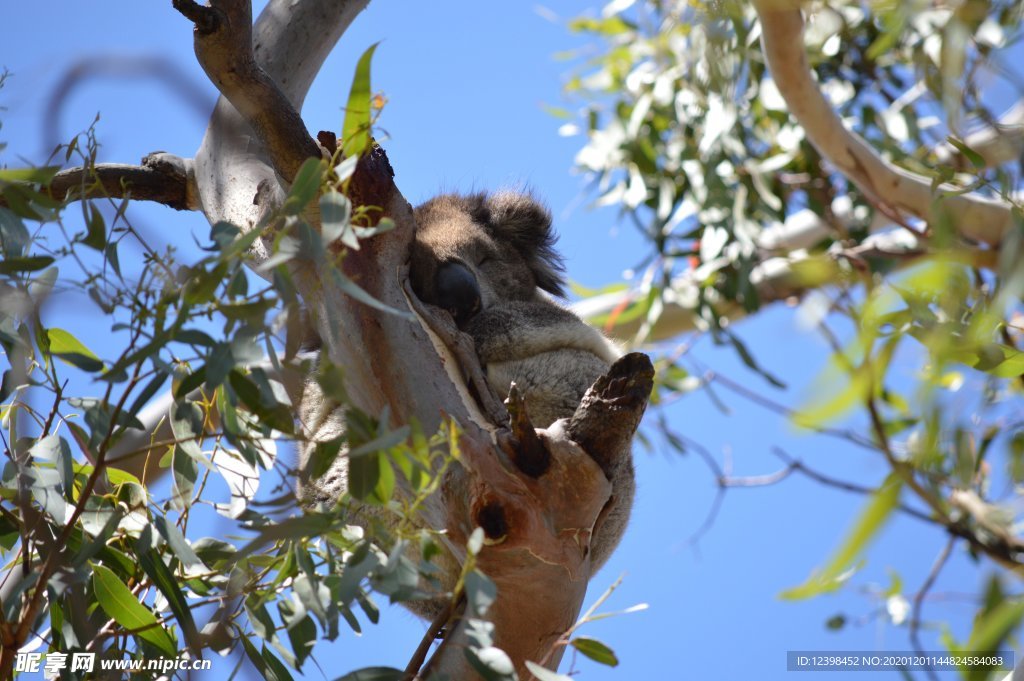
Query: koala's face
point(472, 251)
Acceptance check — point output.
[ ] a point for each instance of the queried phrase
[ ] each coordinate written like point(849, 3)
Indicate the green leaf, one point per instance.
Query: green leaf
point(123, 607)
point(836, 622)
point(265, 662)
point(305, 186)
point(45, 484)
point(190, 382)
point(185, 474)
point(148, 392)
point(545, 674)
point(71, 350)
point(323, 456)
point(56, 450)
point(493, 664)
point(154, 566)
point(257, 395)
point(41, 175)
point(974, 157)
point(14, 237)
point(369, 608)
point(855, 390)
point(10, 533)
point(840, 565)
point(371, 478)
point(25, 264)
point(595, 650)
point(301, 632)
point(176, 540)
point(259, 618)
point(306, 525)
point(610, 26)
point(1000, 361)
point(335, 219)
point(380, 443)
point(96, 236)
point(353, 289)
point(993, 628)
point(481, 593)
point(315, 596)
point(355, 132)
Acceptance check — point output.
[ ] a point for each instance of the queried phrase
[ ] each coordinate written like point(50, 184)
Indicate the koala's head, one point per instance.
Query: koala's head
point(471, 251)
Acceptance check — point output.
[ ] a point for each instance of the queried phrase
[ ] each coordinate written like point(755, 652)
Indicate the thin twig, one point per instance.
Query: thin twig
point(797, 466)
point(434, 632)
point(457, 608)
point(783, 410)
point(915, 617)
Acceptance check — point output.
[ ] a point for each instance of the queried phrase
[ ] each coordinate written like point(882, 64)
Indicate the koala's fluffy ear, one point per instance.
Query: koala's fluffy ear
point(520, 220)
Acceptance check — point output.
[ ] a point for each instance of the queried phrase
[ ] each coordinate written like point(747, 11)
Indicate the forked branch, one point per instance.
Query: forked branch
point(224, 48)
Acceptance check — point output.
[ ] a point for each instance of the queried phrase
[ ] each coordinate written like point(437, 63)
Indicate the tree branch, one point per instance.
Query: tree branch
point(162, 178)
point(776, 278)
point(290, 42)
point(224, 48)
point(972, 215)
point(540, 521)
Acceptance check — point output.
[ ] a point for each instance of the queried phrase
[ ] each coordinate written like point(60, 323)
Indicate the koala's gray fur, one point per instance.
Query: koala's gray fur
point(488, 259)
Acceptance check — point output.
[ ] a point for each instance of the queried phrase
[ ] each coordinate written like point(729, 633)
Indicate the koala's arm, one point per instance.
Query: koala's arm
point(519, 329)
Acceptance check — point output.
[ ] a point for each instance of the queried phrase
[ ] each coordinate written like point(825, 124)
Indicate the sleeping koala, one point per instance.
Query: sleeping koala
point(488, 260)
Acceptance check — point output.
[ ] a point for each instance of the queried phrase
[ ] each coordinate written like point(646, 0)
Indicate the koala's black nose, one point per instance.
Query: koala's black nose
point(457, 291)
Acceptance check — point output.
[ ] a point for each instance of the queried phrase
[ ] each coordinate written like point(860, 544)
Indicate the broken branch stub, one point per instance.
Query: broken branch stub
point(610, 412)
point(526, 449)
point(540, 519)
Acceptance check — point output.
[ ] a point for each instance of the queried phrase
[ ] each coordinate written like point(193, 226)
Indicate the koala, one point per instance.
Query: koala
point(489, 260)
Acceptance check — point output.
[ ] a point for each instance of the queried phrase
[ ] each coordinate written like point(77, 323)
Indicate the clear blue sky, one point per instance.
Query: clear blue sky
point(466, 82)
